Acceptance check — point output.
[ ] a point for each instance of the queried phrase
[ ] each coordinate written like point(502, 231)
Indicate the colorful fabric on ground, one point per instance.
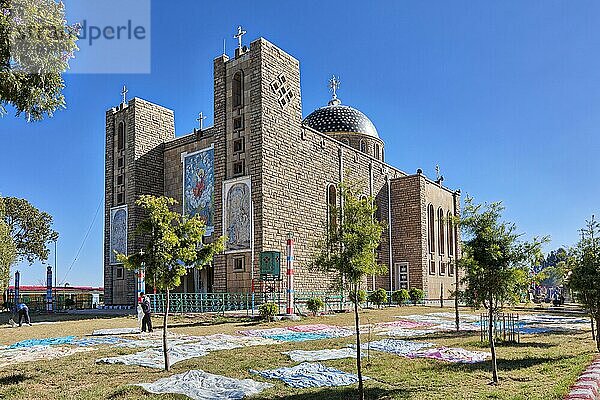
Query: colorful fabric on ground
point(456, 355)
point(154, 357)
point(402, 332)
point(43, 342)
point(396, 346)
point(307, 375)
point(311, 328)
point(535, 330)
point(265, 332)
point(9, 357)
point(116, 331)
point(403, 323)
point(321, 355)
point(98, 341)
point(200, 385)
point(298, 336)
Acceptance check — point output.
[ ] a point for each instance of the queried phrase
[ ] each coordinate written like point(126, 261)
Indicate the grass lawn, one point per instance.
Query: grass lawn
point(542, 366)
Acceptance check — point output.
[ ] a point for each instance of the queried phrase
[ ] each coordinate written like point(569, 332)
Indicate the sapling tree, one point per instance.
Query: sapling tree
point(348, 250)
point(495, 261)
point(584, 279)
point(174, 243)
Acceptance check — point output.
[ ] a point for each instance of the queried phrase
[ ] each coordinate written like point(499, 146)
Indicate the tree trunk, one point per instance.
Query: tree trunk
point(593, 329)
point(597, 331)
point(361, 390)
point(165, 349)
point(492, 344)
point(457, 317)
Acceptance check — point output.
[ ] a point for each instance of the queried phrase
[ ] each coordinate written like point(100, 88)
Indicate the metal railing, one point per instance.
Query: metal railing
point(183, 303)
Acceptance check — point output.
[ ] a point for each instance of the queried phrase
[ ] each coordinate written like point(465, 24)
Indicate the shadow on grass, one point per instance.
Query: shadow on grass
point(13, 379)
point(344, 393)
point(503, 365)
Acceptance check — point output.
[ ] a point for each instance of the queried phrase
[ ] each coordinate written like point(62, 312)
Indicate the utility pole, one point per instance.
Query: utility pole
point(55, 302)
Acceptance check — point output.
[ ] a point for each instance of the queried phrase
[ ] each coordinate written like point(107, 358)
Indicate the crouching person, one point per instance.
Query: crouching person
point(23, 312)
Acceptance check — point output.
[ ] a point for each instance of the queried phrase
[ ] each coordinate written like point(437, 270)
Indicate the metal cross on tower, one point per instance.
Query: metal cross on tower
point(200, 119)
point(124, 92)
point(239, 35)
point(334, 84)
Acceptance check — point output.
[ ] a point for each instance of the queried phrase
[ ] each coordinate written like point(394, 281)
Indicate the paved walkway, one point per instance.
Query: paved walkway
point(587, 386)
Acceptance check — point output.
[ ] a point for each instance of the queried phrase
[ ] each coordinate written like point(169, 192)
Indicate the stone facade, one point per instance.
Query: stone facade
point(259, 137)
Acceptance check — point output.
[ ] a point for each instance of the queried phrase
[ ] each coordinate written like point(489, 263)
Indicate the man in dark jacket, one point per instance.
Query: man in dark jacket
point(23, 312)
point(147, 319)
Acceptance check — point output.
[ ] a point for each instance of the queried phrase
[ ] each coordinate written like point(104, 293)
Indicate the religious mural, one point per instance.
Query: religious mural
point(237, 215)
point(118, 232)
point(199, 186)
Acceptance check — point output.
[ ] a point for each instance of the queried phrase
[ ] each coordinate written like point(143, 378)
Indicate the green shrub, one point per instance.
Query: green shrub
point(400, 296)
point(268, 310)
point(378, 297)
point(315, 304)
point(416, 295)
point(361, 298)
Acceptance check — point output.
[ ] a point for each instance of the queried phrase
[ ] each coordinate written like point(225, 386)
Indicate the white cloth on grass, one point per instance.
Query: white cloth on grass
point(321, 355)
point(9, 357)
point(396, 346)
point(308, 375)
point(200, 385)
point(154, 357)
point(116, 331)
point(405, 332)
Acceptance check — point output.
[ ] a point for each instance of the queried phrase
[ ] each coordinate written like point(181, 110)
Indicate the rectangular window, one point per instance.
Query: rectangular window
point(119, 273)
point(120, 179)
point(238, 123)
point(442, 268)
point(432, 267)
point(120, 162)
point(238, 145)
point(239, 263)
point(401, 272)
point(120, 198)
point(450, 268)
point(238, 168)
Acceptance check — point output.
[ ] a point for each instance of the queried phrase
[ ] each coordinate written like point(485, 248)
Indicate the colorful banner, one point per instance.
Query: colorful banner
point(118, 232)
point(199, 186)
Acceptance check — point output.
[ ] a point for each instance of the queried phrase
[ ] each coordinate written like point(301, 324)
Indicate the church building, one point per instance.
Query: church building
point(263, 173)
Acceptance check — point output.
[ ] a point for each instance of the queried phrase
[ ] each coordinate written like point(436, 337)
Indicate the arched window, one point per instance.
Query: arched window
point(238, 89)
point(376, 150)
point(441, 231)
point(450, 235)
point(363, 146)
point(332, 206)
point(121, 136)
point(346, 141)
point(431, 228)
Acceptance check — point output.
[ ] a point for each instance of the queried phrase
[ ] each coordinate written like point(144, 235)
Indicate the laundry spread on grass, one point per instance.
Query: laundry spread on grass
point(321, 355)
point(180, 350)
point(396, 346)
point(402, 332)
point(403, 323)
point(455, 355)
point(11, 356)
point(200, 385)
point(308, 375)
point(116, 331)
point(100, 341)
point(43, 342)
point(300, 333)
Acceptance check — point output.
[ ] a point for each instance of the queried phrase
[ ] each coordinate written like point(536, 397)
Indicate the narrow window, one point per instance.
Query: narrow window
point(363, 146)
point(451, 268)
point(376, 150)
point(332, 206)
point(238, 123)
point(120, 179)
point(120, 162)
point(121, 136)
point(442, 268)
point(450, 235)
point(238, 263)
point(238, 145)
point(441, 231)
point(432, 267)
point(431, 228)
point(238, 89)
point(120, 198)
point(119, 273)
point(238, 168)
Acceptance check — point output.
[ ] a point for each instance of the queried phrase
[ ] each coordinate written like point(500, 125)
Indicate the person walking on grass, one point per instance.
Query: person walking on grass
point(23, 312)
point(147, 318)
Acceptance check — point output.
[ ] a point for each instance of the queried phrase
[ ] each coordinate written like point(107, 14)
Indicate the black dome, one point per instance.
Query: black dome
point(339, 118)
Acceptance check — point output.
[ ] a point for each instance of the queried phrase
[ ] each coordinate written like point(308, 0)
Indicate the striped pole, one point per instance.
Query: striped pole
point(290, 275)
point(49, 289)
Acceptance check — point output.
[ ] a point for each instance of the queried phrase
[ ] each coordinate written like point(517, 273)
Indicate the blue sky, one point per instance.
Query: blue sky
point(504, 96)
